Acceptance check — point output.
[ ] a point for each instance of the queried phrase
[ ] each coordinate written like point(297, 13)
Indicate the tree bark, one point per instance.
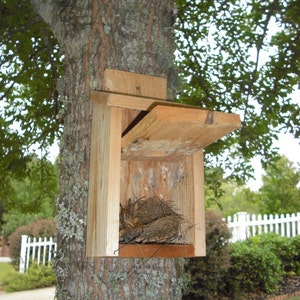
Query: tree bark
point(129, 35)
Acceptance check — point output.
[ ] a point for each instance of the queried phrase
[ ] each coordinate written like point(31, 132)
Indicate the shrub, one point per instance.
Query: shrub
point(253, 269)
point(206, 273)
point(283, 247)
point(39, 228)
point(295, 244)
point(37, 277)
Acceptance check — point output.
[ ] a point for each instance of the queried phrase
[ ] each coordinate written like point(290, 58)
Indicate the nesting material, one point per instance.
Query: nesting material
point(149, 220)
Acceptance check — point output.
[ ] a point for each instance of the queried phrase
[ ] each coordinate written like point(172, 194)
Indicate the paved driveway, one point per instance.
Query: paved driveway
point(38, 294)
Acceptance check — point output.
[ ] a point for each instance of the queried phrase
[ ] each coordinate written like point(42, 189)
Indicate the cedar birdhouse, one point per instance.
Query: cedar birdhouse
point(143, 147)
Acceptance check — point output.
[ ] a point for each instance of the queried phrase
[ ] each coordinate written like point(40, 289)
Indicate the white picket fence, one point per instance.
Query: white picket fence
point(244, 225)
point(40, 250)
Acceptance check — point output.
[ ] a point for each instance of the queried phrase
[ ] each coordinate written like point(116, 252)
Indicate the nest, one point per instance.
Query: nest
point(149, 220)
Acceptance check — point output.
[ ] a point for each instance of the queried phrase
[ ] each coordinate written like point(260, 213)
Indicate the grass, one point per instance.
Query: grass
point(6, 270)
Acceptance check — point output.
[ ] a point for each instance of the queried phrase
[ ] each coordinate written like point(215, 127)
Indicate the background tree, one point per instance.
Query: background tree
point(30, 65)
point(32, 196)
point(236, 198)
point(280, 192)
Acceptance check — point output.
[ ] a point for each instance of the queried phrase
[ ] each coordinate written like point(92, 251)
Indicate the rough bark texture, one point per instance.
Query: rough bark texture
point(129, 35)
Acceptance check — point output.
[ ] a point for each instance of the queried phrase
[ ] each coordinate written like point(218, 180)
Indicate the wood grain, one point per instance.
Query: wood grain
point(104, 182)
point(121, 82)
point(156, 251)
point(168, 132)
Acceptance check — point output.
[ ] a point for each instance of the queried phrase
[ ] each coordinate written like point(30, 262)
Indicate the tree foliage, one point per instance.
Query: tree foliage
point(30, 65)
point(31, 197)
point(38, 190)
point(242, 57)
point(280, 192)
point(235, 198)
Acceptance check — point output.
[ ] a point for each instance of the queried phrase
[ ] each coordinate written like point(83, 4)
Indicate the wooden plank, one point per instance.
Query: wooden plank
point(156, 251)
point(124, 101)
point(134, 102)
point(199, 205)
point(195, 115)
point(116, 81)
point(174, 132)
point(104, 184)
point(114, 180)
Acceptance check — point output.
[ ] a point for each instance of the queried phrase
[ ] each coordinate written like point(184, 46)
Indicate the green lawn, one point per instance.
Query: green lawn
point(5, 270)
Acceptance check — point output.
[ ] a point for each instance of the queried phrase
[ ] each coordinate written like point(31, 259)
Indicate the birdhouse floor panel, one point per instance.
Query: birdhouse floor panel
point(157, 251)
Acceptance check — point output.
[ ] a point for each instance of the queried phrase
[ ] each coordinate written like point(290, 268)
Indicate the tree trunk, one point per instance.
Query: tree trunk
point(128, 35)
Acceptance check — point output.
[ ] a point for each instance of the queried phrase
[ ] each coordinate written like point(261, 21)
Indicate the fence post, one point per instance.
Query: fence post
point(298, 223)
point(23, 253)
point(242, 229)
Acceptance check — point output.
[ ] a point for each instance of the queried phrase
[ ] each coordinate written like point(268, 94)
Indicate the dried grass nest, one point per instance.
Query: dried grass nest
point(149, 220)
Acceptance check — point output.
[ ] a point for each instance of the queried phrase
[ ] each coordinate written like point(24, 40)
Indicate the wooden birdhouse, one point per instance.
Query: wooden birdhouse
point(148, 153)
